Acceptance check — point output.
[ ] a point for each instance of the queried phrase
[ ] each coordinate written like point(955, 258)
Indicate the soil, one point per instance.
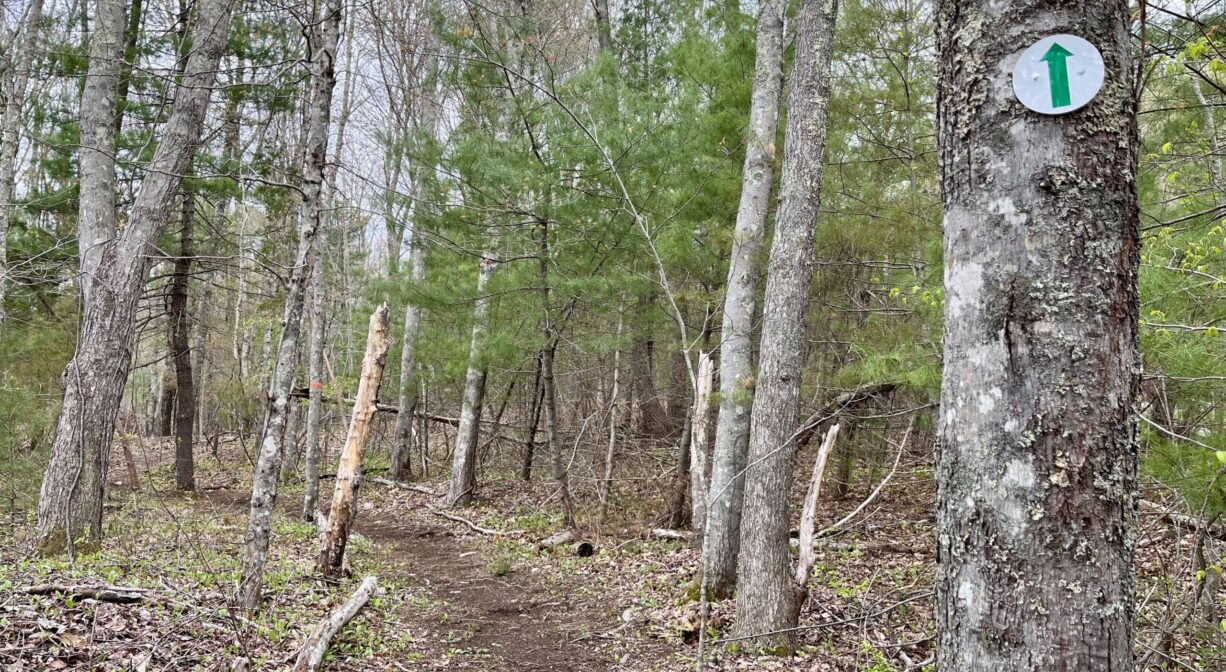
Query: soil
point(514, 622)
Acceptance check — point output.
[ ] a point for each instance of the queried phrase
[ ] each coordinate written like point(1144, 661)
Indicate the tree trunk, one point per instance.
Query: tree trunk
point(323, 40)
point(315, 394)
point(534, 419)
point(736, 380)
point(97, 219)
point(549, 389)
point(289, 463)
point(604, 31)
point(179, 337)
point(768, 598)
point(70, 503)
point(1037, 451)
point(464, 462)
point(23, 48)
point(606, 485)
point(653, 418)
point(167, 393)
point(402, 443)
point(700, 471)
point(349, 471)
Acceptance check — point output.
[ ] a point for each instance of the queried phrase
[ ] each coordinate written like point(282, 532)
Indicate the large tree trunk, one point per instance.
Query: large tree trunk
point(736, 384)
point(97, 218)
point(70, 503)
point(464, 464)
point(23, 49)
point(179, 337)
point(323, 40)
point(402, 444)
point(768, 598)
point(349, 471)
point(1037, 453)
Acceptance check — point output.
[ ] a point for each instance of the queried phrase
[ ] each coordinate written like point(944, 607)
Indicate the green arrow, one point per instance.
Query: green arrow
point(1057, 75)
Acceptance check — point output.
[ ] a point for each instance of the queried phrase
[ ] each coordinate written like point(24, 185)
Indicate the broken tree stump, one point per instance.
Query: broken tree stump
point(348, 472)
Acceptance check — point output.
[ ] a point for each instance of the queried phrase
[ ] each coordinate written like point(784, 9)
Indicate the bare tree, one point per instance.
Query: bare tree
point(1037, 452)
point(322, 44)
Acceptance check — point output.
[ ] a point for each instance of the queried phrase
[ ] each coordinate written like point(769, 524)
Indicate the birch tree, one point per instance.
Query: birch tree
point(1037, 454)
point(70, 502)
point(768, 595)
point(464, 463)
point(322, 43)
point(736, 380)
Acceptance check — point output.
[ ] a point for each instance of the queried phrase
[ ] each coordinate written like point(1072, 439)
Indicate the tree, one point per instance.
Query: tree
point(768, 594)
point(1037, 454)
point(21, 61)
point(324, 36)
point(464, 465)
point(70, 502)
point(736, 379)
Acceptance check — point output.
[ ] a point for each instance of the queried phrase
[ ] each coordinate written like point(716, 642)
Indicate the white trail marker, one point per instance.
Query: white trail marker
point(1058, 74)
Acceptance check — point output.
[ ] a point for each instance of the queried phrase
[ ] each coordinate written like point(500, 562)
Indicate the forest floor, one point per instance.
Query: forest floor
point(454, 598)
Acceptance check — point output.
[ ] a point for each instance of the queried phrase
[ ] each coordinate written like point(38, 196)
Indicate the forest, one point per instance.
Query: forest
point(628, 335)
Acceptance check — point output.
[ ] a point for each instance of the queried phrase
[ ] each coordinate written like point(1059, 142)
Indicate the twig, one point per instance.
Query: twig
point(475, 527)
point(312, 652)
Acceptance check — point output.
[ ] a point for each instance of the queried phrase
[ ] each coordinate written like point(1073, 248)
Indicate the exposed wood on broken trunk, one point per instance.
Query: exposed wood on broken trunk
point(349, 471)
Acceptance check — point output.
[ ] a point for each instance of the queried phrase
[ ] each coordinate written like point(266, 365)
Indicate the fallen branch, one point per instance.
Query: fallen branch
point(475, 527)
point(1217, 531)
point(804, 562)
point(304, 393)
point(312, 652)
point(404, 486)
point(661, 533)
point(113, 594)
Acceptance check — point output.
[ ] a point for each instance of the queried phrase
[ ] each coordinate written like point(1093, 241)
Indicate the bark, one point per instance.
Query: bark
point(464, 464)
point(311, 655)
point(322, 41)
point(768, 598)
point(678, 512)
point(549, 401)
point(167, 393)
point(606, 484)
point(1037, 452)
point(289, 464)
point(604, 32)
point(653, 417)
point(349, 471)
point(402, 439)
point(70, 503)
point(736, 379)
point(534, 419)
point(23, 49)
point(700, 470)
point(315, 387)
point(179, 337)
point(96, 217)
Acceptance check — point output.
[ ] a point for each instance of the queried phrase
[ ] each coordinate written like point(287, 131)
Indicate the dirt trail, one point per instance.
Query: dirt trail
point(511, 623)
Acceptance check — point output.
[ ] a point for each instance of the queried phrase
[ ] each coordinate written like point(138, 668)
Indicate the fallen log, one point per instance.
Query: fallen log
point(581, 548)
point(113, 594)
point(312, 652)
